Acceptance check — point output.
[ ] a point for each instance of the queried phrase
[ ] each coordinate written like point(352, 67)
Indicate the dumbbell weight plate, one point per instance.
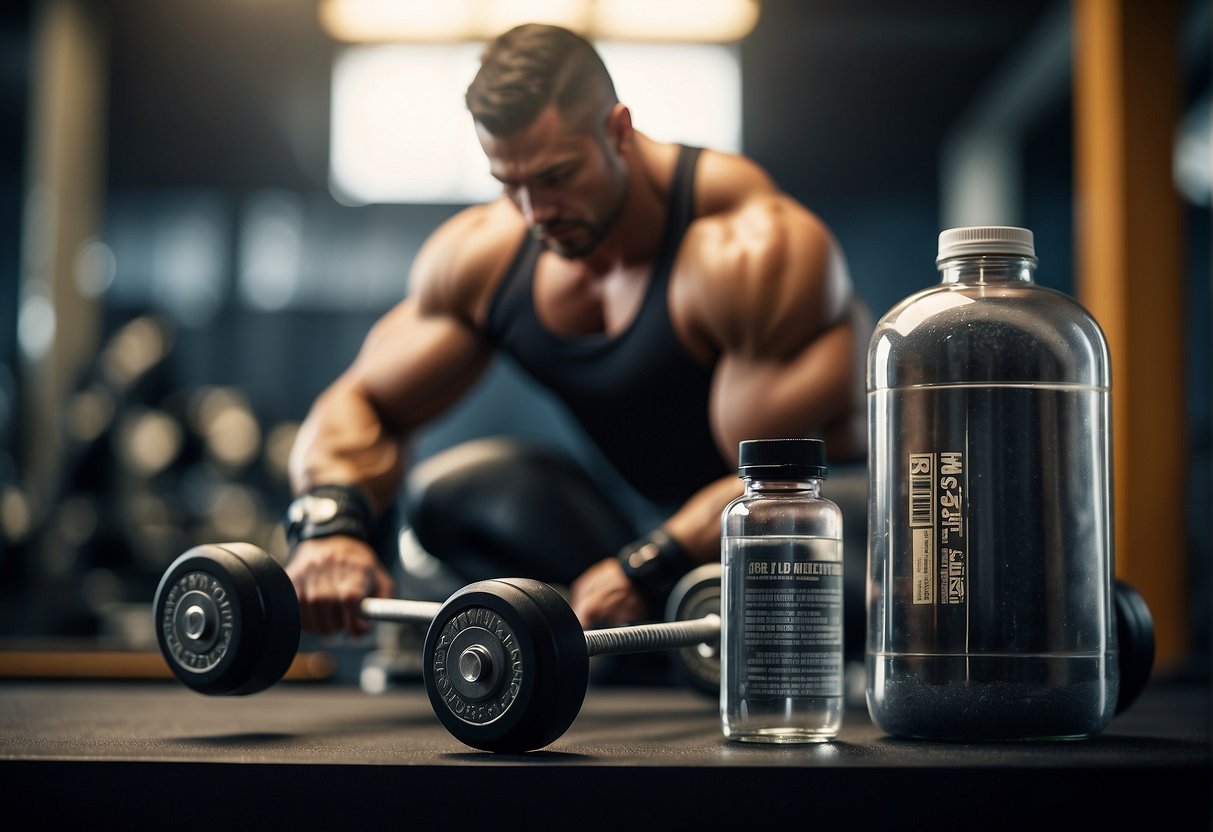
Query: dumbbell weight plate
point(505, 665)
point(697, 594)
point(1135, 642)
point(227, 619)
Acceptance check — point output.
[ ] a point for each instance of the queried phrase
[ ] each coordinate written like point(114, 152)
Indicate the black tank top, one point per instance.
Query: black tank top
point(638, 394)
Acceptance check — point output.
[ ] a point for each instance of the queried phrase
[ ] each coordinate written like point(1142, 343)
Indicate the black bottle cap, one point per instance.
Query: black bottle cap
point(781, 458)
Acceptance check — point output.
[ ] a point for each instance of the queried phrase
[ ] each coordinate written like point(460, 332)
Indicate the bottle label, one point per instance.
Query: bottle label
point(990, 525)
point(787, 615)
point(938, 514)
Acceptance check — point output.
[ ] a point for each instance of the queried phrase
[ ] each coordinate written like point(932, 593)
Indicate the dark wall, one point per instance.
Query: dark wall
point(14, 83)
point(845, 103)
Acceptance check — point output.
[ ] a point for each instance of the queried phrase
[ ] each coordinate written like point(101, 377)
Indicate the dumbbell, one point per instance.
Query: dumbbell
point(506, 662)
point(227, 621)
point(227, 618)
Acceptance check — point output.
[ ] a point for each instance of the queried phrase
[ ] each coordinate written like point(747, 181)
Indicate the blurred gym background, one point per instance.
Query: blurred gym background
point(204, 207)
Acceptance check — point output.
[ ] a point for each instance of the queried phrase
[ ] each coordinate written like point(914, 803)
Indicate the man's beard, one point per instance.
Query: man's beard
point(577, 245)
point(574, 246)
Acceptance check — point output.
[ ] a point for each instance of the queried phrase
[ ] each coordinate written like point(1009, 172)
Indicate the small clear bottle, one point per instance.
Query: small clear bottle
point(781, 598)
point(990, 539)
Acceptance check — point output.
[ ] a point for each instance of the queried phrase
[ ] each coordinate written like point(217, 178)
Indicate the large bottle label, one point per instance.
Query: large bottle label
point(938, 496)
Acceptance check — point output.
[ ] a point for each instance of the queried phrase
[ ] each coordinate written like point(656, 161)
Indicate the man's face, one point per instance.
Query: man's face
point(569, 186)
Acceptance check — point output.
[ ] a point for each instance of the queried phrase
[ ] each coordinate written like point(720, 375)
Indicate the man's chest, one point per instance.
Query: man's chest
point(570, 301)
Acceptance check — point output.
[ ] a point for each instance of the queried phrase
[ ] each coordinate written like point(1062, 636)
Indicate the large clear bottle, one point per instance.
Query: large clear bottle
point(781, 598)
point(990, 543)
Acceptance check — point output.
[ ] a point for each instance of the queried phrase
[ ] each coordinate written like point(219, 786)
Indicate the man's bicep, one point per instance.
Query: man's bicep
point(413, 365)
point(809, 393)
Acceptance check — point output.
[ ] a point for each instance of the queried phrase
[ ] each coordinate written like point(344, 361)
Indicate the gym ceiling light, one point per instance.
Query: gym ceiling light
point(438, 21)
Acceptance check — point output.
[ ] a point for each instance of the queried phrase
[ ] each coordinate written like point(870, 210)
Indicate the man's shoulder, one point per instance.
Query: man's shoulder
point(472, 239)
point(726, 181)
point(754, 234)
point(737, 201)
point(765, 259)
point(458, 265)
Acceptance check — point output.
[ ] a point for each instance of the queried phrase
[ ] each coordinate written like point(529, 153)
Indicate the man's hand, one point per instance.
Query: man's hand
point(332, 575)
point(603, 595)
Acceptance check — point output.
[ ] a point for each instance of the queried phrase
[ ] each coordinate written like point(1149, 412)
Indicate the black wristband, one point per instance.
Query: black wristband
point(327, 510)
point(653, 564)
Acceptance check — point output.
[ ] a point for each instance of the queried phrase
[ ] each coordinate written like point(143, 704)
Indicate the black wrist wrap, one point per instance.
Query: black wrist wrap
point(653, 564)
point(326, 510)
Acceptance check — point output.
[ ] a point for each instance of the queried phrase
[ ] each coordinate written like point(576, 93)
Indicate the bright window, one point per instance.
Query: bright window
point(401, 133)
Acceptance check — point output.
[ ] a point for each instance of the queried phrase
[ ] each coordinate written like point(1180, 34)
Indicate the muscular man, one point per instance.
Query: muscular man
point(674, 299)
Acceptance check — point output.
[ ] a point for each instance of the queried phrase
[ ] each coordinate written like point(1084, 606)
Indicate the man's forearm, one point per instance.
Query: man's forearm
point(343, 441)
point(696, 525)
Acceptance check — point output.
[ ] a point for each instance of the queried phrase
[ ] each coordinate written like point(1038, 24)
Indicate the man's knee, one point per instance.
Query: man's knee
point(512, 502)
point(494, 485)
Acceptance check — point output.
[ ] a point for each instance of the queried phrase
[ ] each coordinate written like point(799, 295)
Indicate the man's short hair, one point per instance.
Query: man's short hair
point(532, 66)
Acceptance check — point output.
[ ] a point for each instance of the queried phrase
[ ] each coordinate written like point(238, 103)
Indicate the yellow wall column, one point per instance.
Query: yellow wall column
point(1130, 275)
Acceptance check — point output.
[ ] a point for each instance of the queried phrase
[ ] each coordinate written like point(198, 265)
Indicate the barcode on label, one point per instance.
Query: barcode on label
point(922, 490)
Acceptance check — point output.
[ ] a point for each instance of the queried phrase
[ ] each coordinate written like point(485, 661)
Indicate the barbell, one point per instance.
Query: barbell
point(505, 661)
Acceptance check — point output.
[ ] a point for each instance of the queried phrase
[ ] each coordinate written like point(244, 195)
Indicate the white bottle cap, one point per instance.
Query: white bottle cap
point(985, 239)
